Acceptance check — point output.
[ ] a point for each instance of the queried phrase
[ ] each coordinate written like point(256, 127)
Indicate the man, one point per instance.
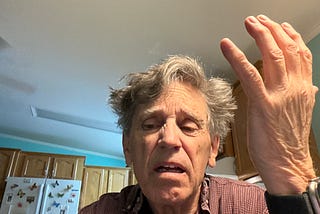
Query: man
point(173, 118)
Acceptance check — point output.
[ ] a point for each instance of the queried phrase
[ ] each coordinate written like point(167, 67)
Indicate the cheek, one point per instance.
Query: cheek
point(203, 146)
point(143, 148)
point(203, 152)
point(142, 155)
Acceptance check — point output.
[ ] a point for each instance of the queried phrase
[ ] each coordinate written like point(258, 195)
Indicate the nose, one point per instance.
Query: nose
point(169, 135)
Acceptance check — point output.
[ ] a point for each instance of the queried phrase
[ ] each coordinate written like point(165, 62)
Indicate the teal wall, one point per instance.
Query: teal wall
point(314, 46)
point(93, 159)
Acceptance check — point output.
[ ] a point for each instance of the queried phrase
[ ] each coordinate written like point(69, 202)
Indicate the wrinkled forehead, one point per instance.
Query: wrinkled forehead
point(177, 98)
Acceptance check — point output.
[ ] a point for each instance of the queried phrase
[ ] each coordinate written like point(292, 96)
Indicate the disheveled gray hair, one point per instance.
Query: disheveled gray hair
point(146, 87)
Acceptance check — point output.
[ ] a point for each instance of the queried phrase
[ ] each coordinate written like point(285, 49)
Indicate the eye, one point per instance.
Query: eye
point(151, 124)
point(189, 127)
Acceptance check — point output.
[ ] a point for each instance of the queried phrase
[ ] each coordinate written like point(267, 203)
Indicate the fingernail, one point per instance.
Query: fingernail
point(263, 18)
point(286, 25)
point(252, 19)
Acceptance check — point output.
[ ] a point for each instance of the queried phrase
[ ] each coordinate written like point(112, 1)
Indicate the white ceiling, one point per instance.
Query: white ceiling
point(62, 56)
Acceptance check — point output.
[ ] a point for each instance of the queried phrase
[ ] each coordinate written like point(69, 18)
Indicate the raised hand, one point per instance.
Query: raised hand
point(280, 104)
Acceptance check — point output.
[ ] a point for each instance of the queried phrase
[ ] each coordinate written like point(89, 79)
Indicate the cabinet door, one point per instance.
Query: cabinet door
point(64, 168)
point(7, 160)
point(132, 178)
point(313, 147)
point(244, 166)
point(94, 184)
point(118, 178)
point(35, 165)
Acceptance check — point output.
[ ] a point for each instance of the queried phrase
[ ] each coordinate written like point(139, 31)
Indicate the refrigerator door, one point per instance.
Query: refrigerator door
point(61, 196)
point(22, 195)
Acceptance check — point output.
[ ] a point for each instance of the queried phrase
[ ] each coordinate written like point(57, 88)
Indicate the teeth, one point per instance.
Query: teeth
point(169, 168)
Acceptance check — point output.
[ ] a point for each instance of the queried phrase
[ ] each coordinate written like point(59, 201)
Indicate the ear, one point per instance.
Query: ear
point(126, 149)
point(215, 142)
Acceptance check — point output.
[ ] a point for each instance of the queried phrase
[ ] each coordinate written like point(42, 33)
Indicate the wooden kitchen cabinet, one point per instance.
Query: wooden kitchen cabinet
point(118, 178)
point(313, 147)
point(67, 167)
point(44, 165)
point(94, 184)
point(99, 180)
point(33, 165)
point(132, 178)
point(8, 160)
point(244, 166)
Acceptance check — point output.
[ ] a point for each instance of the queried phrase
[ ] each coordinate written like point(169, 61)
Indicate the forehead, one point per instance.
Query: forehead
point(177, 98)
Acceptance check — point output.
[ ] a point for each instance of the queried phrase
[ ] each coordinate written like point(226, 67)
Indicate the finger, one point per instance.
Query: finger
point(248, 75)
point(273, 60)
point(305, 53)
point(289, 47)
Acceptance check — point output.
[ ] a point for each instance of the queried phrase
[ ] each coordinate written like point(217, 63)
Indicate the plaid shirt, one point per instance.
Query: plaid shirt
point(218, 195)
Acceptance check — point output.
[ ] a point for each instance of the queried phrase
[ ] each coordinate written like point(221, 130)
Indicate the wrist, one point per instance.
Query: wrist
point(286, 181)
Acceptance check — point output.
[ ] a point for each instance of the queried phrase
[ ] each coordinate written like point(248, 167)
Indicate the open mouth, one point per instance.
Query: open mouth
point(169, 168)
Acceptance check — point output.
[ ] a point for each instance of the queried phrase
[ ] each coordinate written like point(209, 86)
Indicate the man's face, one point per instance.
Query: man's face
point(169, 145)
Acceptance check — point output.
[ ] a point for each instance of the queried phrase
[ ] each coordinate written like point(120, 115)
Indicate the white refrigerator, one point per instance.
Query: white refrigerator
point(40, 195)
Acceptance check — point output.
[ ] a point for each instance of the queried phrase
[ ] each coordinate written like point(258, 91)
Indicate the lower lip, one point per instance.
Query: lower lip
point(170, 175)
point(173, 171)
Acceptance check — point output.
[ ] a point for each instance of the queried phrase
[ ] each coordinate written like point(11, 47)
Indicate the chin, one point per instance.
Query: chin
point(173, 195)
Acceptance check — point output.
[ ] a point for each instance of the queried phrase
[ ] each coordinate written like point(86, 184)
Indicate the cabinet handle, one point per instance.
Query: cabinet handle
point(54, 170)
point(26, 167)
point(46, 170)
